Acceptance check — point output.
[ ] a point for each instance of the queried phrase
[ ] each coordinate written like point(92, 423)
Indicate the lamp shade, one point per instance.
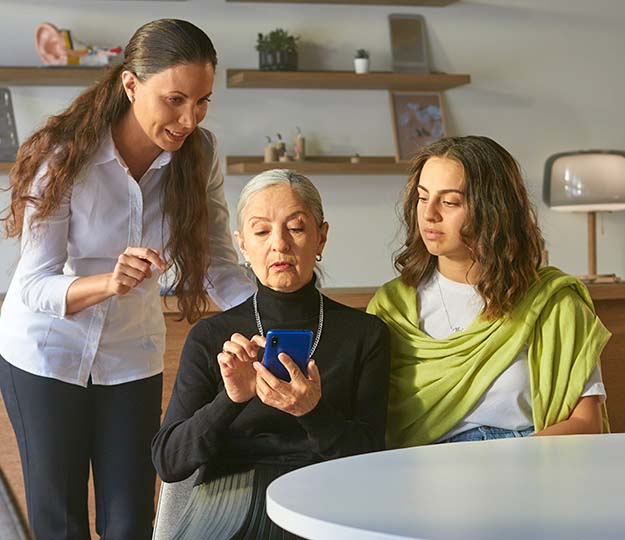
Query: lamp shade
point(585, 181)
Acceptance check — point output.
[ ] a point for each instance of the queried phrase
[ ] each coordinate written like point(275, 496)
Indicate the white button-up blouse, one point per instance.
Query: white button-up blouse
point(121, 339)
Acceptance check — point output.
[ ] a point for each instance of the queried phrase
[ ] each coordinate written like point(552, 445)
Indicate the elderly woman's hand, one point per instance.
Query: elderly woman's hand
point(236, 365)
point(298, 397)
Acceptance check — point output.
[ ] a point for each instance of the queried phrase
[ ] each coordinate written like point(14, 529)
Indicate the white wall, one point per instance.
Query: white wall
point(548, 75)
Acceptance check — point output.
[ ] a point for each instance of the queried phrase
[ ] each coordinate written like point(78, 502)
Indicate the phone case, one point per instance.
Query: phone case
point(295, 343)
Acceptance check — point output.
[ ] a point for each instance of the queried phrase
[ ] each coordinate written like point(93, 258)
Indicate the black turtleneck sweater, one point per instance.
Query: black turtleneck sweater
point(204, 429)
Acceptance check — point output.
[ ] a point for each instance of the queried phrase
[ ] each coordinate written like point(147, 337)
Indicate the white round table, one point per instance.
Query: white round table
point(553, 488)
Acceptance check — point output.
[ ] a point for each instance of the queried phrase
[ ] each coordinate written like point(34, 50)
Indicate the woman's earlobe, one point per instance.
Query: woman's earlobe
point(50, 45)
point(129, 82)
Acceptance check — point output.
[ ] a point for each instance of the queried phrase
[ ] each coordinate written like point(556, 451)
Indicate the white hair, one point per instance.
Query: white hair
point(304, 188)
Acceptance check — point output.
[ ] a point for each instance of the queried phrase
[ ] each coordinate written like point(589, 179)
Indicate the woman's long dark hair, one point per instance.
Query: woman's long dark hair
point(69, 140)
point(500, 231)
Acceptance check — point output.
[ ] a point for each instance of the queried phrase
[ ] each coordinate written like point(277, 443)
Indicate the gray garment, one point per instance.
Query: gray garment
point(217, 509)
point(12, 526)
point(172, 501)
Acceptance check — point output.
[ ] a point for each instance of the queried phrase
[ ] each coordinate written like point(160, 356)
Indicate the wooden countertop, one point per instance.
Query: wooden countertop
point(358, 297)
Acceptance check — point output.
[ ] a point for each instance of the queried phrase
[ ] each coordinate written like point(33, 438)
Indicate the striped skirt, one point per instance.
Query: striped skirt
point(231, 508)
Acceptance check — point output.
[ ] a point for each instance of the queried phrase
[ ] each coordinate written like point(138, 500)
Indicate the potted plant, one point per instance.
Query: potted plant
point(277, 51)
point(361, 61)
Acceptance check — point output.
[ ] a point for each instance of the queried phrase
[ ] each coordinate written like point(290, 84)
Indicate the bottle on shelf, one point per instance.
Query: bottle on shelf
point(300, 146)
point(271, 153)
point(280, 146)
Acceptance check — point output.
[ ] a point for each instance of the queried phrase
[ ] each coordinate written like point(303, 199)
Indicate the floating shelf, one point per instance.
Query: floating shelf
point(345, 80)
point(5, 166)
point(50, 75)
point(434, 3)
point(243, 165)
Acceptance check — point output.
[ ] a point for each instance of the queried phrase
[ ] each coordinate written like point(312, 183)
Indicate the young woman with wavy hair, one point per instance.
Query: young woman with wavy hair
point(113, 191)
point(485, 343)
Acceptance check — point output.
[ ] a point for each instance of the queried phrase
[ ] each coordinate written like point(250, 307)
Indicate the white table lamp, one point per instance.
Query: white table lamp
point(588, 181)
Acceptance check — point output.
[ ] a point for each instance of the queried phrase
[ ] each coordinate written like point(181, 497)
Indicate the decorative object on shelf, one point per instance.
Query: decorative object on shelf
point(50, 45)
point(271, 154)
point(284, 158)
point(8, 133)
point(277, 51)
point(361, 61)
point(56, 47)
point(588, 181)
point(280, 146)
point(355, 158)
point(409, 43)
point(299, 146)
point(417, 121)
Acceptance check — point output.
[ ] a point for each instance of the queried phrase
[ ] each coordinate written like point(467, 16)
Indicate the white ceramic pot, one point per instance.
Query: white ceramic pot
point(361, 65)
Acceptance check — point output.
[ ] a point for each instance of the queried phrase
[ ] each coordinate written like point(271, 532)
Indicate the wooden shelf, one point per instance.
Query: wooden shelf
point(427, 3)
point(50, 75)
point(243, 165)
point(344, 80)
point(5, 167)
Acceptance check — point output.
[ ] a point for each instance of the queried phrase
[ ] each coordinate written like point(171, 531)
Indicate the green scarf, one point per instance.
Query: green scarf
point(435, 383)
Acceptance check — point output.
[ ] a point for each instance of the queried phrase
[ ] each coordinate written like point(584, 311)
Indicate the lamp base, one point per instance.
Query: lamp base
point(600, 278)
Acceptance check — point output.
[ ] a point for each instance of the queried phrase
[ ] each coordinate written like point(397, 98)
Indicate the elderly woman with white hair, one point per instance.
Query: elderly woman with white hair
point(232, 418)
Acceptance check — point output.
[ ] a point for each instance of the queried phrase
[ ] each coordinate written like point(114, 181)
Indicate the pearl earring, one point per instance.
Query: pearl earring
point(318, 257)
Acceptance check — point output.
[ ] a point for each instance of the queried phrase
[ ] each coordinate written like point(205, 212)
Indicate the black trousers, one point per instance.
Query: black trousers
point(61, 429)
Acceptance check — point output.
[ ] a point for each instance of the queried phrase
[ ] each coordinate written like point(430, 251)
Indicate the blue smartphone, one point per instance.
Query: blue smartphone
point(295, 343)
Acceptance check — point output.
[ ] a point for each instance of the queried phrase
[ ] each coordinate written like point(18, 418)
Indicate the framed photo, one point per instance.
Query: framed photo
point(417, 121)
point(408, 43)
point(8, 133)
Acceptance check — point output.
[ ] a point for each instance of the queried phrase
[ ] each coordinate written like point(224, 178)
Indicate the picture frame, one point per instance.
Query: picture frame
point(418, 120)
point(8, 132)
point(409, 48)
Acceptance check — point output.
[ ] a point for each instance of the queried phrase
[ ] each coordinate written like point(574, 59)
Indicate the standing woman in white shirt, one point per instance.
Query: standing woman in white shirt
point(107, 195)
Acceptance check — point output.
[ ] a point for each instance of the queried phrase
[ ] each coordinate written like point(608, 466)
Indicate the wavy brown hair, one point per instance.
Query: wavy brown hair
point(68, 141)
point(500, 231)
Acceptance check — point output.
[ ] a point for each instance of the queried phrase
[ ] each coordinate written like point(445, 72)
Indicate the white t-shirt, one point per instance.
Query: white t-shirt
point(445, 305)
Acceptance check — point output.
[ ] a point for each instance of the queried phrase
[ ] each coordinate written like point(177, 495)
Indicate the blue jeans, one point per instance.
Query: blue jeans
point(485, 433)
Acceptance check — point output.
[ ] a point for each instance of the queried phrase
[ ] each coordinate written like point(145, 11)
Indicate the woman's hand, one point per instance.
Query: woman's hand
point(133, 266)
point(236, 365)
point(585, 418)
point(298, 397)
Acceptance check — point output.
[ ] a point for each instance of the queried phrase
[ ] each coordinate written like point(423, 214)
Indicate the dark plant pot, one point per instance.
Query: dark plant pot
point(277, 60)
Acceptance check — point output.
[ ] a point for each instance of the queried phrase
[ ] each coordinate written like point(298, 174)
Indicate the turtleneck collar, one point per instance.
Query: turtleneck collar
point(280, 306)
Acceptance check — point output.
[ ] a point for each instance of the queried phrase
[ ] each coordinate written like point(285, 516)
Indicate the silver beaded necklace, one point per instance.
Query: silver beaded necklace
point(454, 329)
point(259, 325)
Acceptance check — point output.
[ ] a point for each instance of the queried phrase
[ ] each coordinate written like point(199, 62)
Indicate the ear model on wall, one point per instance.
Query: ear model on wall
point(50, 44)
